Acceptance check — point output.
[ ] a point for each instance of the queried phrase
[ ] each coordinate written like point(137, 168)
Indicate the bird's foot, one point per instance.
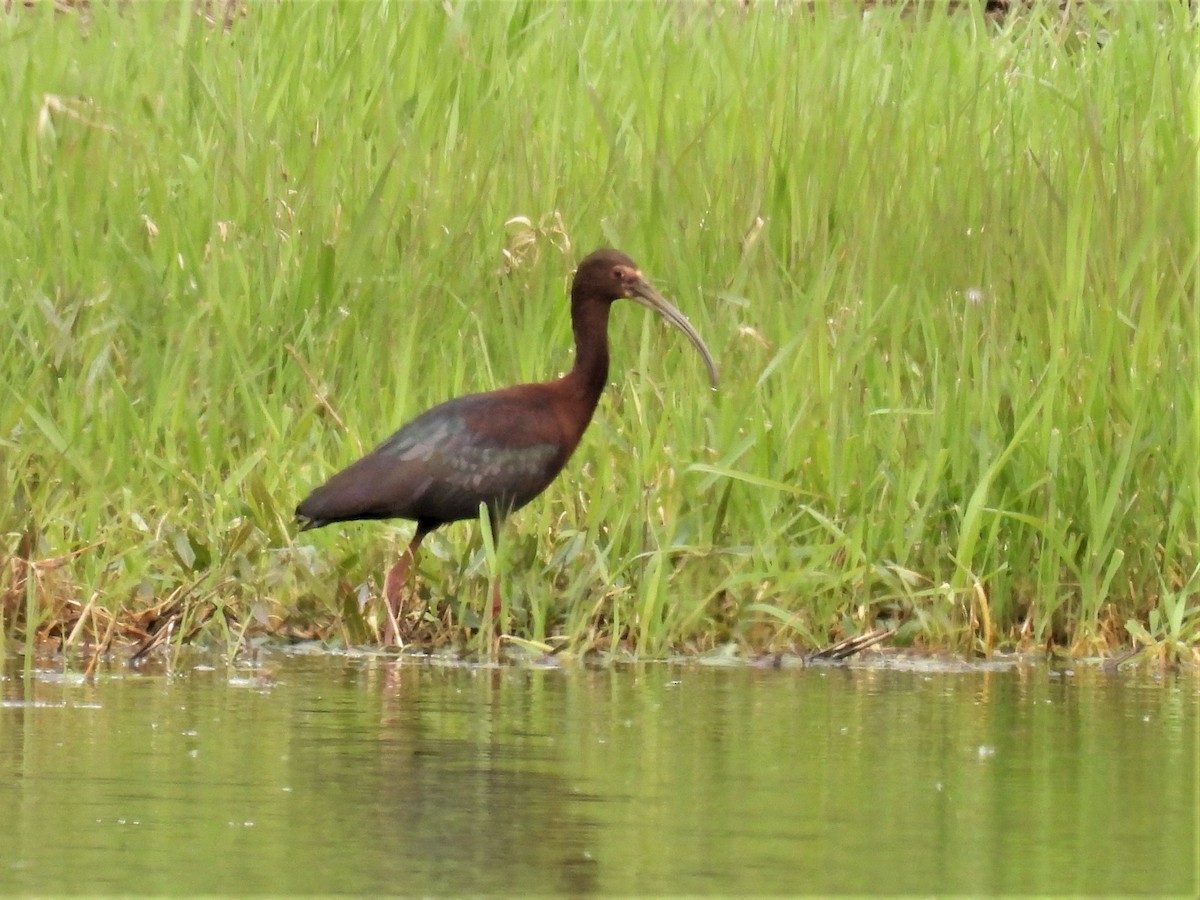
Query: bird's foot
point(391, 629)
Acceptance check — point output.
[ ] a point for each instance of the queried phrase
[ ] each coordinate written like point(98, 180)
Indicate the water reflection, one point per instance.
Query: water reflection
point(447, 775)
point(366, 775)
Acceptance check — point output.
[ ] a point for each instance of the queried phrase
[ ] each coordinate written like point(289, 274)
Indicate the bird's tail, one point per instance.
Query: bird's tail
point(307, 523)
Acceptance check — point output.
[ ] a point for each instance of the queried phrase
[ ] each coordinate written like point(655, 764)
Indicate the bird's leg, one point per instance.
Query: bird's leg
point(496, 603)
point(394, 585)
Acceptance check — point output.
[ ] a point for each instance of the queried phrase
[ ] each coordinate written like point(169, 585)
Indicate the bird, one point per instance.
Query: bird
point(498, 449)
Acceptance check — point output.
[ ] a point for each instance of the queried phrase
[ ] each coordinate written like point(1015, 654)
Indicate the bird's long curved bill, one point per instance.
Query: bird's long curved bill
point(652, 299)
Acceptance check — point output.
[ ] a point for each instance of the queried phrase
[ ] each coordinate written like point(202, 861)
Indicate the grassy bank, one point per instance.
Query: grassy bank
point(947, 267)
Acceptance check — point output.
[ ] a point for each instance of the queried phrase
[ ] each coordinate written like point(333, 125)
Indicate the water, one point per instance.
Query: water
point(327, 774)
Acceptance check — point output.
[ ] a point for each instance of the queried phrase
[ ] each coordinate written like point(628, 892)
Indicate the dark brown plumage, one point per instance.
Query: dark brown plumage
point(501, 448)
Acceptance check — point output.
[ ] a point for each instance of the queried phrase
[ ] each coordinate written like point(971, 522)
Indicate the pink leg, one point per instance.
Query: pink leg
point(393, 589)
point(496, 605)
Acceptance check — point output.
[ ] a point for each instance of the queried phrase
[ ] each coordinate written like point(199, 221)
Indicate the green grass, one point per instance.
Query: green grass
point(947, 267)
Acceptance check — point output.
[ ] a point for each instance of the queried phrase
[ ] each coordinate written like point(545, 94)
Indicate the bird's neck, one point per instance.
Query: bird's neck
point(589, 375)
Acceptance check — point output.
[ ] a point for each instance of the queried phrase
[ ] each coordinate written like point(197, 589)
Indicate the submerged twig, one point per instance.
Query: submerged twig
point(1112, 665)
point(852, 645)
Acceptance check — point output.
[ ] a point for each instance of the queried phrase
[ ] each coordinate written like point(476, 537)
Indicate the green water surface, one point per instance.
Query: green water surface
point(320, 774)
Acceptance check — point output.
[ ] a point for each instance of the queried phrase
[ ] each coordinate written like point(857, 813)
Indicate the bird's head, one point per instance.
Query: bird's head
point(609, 275)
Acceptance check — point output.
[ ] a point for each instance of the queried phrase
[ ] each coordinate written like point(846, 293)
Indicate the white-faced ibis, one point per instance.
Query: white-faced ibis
point(502, 448)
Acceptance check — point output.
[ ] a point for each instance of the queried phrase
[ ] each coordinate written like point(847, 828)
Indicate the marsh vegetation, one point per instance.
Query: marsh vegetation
point(947, 266)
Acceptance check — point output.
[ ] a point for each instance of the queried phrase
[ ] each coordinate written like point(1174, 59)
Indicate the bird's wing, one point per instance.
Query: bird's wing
point(493, 448)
